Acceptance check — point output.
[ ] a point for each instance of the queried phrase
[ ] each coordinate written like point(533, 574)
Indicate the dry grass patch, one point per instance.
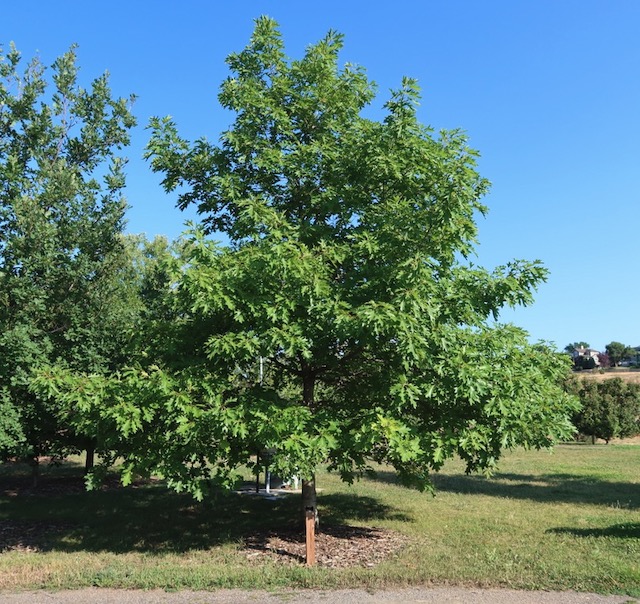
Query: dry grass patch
point(628, 375)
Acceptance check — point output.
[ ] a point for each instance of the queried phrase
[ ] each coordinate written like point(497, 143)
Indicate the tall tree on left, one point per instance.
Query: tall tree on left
point(63, 257)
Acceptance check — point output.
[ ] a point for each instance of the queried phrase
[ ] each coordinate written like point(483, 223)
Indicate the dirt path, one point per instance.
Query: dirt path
point(440, 595)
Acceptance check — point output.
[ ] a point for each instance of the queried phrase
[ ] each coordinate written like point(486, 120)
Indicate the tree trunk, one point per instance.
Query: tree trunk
point(258, 472)
point(309, 501)
point(309, 497)
point(34, 462)
point(89, 459)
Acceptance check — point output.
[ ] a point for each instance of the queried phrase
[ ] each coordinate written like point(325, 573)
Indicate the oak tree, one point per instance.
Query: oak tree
point(342, 319)
point(347, 270)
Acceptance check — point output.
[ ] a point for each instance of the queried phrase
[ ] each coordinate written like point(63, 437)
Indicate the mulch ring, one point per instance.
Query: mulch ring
point(58, 486)
point(336, 546)
point(29, 536)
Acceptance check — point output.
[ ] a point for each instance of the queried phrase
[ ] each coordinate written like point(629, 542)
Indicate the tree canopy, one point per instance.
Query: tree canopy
point(62, 254)
point(342, 319)
point(347, 271)
point(570, 348)
point(617, 351)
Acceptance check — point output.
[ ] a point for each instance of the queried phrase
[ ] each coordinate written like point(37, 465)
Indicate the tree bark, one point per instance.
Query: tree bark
point(309, 497)
point(89, 459)
point(34, 462)
point(309, 500)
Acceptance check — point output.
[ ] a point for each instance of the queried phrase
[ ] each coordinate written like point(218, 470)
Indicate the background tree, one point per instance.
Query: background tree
point(346, 273)
point(585, 362)
point(603, 357)
point(61, 251)
point(571, 348)
point(11, 434)
point(153, 336)
point(610, 408)
point(618, 351)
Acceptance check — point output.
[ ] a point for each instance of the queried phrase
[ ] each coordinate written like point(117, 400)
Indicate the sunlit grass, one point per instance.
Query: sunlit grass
point(565, 520)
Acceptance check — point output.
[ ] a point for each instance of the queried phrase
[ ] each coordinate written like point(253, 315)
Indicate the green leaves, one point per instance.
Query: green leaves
point(347, 278)
point(63, 277)
point(342, 322)
point(610, 408)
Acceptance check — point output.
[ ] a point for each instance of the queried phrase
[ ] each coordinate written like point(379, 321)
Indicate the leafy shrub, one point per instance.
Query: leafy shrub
point(610, 409)
point(587, 363)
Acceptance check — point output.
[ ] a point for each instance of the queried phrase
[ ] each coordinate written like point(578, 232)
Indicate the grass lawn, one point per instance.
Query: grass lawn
point(563, 520)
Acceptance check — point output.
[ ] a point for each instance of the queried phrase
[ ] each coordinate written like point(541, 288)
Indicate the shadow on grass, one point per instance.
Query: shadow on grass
point(150, 518)
point(342, 508)
point(617, 531)
point(552, 488)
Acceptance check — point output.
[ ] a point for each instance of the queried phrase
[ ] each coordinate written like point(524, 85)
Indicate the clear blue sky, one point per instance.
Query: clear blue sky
point(547, 90)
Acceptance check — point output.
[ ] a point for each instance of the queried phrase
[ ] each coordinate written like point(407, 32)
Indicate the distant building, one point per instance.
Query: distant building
point(581, 357)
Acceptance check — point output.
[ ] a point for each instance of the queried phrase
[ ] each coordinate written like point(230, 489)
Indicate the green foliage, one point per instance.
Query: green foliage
point(346, 273)
point(11, 433)
point(618, 351)
point(569, 348)
point(585, 363)
point(62, 256)
point(610, 408)
point(346, 279)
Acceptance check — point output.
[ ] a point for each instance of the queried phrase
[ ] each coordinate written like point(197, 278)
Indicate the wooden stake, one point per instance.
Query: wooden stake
point(310, 530)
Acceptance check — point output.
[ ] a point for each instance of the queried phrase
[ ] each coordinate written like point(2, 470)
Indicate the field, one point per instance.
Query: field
point(628, 375)
point(563, 520)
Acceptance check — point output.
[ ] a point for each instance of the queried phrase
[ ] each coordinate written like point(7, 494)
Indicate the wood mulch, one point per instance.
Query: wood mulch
point(336, 546)
point(31, 536)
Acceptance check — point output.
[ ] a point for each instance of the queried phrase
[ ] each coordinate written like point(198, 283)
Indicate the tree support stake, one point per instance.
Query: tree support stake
point(310, 532)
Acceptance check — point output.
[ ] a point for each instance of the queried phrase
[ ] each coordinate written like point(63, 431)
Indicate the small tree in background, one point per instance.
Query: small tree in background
point(618, 351)
point(585, 363)
point(610, 408)
point(153, 337)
